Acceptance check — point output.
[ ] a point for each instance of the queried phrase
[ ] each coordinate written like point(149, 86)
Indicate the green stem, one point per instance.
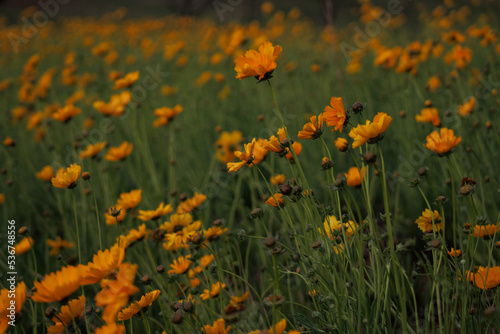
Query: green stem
point(97, 215)
point(77, 231)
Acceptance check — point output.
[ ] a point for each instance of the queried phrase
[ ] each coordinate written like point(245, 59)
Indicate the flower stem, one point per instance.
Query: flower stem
point(97, 215)
point(77, 230)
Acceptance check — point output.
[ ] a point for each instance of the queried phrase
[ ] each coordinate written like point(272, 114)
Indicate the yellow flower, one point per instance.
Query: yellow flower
point(335, 114)
point(370, 132)
point(181, 265)
point(332, 226)
point(354, 177)
point(66, 178)
point(214, 292)
point(313, 129)
point(481, 231)
point(429, 115)
point(139, 306)
point(442, 142)
point(57, 286)
point(425, 222)
point(467, 107)
point(46, 173)
point(127, 80)
point(56, 245)
point(66, 113)
point(258, 64)
point(120, 152)
point(155, 214)
point(73, 311)
point(133, 236)
point(92, 150)
point(218, 327)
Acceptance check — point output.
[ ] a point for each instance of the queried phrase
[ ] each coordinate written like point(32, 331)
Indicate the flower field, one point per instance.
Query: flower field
point(193, 174)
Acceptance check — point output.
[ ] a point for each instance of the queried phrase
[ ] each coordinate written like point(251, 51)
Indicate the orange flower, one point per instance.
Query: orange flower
point(111, 328)
point(453, 37)
point(313, 129)
point(115, 293)
point(238, 300)
point(127, 80)
point(181, 265)
point(166, 114)
point(276, 200)
point(73, 311)
point(258, 64)
point(274, 144)
point(297, 148)
point(460, 55)
point(467, 107)
point(155, 214)
point(46, 173)
point(133, 236)
point(335, 114)
point(92, 150)
point(428, 221)
point(213, 232)
point(370, 132)
point(177, 222)
point(218, 327)
point(429, 115)
point(481, 231)
point(341, 144)
point(214, 292)
point(9, 142)
point(442, 142)
point(23, 246)
point(57, 286)
point(103, 263)
point(246, 157)
point(454, 252)
point(191, 203)
point(226, 145)
point(66, 178)
point(278, 179)
point(116, 105)
point(433, 83)
point(131, 199)
point(485, 278)
point(139, 306)
point(5, 301)
point(120, 152)
point(66, 113)
point(353, 176)
point(56, 245)
point(115, 215)
point(169, 90)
